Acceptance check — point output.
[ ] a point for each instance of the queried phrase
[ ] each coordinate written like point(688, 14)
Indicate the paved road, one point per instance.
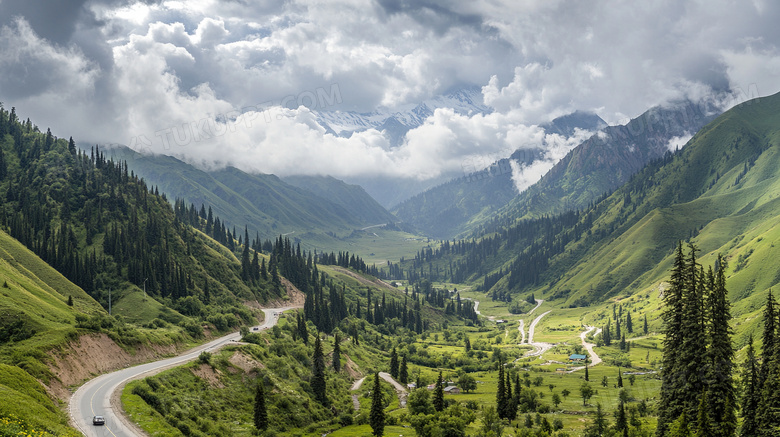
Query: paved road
point(539, 347)
point(539, 303)
point(95, 396)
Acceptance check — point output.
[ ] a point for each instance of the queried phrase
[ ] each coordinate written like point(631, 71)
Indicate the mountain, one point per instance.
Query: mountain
point(607, 160)
point(264, 203)
point(395, 124)
point(721, 192)
point(452, 208)
point(448, 209)
point(352, 198)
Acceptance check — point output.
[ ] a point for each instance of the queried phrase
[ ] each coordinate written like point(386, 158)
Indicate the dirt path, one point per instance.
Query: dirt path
point(521, 328)
point(399, 389)
point(364, 281)
point(356, 386)
point(594, 358)
point(539, 347)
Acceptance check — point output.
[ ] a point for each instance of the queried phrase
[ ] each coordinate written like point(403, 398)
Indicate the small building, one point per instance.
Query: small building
point(453, 390)
point(577, 358)
point(431, 386)
point(499, 321)
point(411, 385)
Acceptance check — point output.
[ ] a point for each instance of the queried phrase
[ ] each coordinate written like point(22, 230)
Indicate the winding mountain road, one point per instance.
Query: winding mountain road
point(101, 396)
point(539, 347)
point(594, 358)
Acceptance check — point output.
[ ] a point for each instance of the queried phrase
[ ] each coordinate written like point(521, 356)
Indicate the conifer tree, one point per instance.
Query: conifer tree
point(618, 332)
point(394, 364)
point(403, 371)
point(769, 403)
point(644, 328)
point(587, 378)
point(318, 374)
point(703, 423)
point(438, 394)
point(629, 323)
point(261, 414)
point(621, 421)
point(768, 338)
point(337, 353)
point(620, 379)
point(607, 334)
point(501, 400)
point(751, 392)
point(720, 357)
point(377, 415)
point(671, 406)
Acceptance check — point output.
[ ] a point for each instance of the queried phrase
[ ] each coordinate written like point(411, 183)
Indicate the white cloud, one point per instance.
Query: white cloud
point(164, 65)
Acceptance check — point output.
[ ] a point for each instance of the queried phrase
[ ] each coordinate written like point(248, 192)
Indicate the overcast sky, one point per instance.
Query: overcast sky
point(134, 73)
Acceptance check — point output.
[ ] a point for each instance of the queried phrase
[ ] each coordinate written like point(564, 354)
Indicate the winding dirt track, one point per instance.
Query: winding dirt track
point(594, 358)
point(399, 389)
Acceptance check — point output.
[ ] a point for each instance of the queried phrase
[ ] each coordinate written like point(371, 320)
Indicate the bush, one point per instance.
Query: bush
point(346, 419)
point(204, 358)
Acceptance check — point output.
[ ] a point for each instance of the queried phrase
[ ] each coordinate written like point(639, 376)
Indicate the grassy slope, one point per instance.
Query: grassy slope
point(265, 203)
point(38, 295)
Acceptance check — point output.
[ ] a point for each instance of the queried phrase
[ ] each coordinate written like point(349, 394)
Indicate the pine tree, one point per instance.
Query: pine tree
point(621, 421)
point(377, 415)
point(644, 329)
point(403, 371)
point(587, 378)
point(671, 406)
point(467, 344)
point(336, 353)
point(261, 415)
point(501, 400)
point(768, 338)
point(318, 374)
point(394, 364)
point(720, 357)
point(70, 300)
point(607, 334)
point(703, 423)
point(769, 403)
point(629, 323)
point(438, 394)
point(620, 379)
point(751, 392)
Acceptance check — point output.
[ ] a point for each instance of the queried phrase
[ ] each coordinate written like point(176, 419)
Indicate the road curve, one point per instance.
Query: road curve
point(95, 397)
point(594, 358)
point(539, 303)
point(539, 347)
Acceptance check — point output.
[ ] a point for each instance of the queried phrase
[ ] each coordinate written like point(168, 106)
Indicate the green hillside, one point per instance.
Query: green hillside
point(265, 203)
point(352, 198)
point(720, 192)
point(35, 317)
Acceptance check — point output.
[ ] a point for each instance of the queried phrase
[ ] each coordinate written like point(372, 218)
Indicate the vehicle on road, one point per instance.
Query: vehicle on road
point(98, 420)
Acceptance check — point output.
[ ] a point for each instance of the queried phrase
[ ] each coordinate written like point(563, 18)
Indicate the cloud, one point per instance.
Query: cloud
point(141, 72)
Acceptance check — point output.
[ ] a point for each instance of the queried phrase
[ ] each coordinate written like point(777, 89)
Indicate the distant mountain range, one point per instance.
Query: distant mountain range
point(265, 203)
point(395, 124)
point(470, 205)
